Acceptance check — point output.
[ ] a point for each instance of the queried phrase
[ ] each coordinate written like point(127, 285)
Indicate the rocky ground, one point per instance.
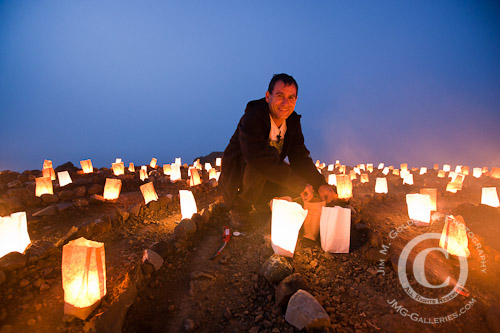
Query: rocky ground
point(240, 290)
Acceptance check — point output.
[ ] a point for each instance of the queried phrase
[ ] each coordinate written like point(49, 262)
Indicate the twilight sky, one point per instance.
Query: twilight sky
point(413, 82)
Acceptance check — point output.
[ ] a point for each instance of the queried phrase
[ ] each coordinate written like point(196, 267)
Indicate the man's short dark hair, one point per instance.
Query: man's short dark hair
point(285, 78)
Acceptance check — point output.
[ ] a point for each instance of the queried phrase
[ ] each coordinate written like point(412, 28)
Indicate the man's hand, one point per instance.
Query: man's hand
point(307, 194)
point(326, 193)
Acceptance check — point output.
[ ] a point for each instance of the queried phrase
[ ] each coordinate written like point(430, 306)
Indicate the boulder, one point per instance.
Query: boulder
point(150, 256)
point(304, 311)
point(276, 268)
point(80, 191)
point(50, 198)
point(67, 195)
point(95, 189)
point(289, 286)
point(189, 225)
point(12, 261)
point(47, 211)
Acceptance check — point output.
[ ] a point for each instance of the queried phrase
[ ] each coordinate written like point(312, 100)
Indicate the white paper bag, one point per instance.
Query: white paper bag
point(286, 221)
point(335, 229)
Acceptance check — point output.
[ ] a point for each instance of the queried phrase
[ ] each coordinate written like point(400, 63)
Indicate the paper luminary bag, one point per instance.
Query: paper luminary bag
point(153, 163)
point(64, 178)
point(83, 276)
point(112, 189)
point(212, 174)
point(432, 192)
point(14, 235)
point(335, 229)
point(166, 169)
point(344, 186)
point(87, 166)
point(381, 185)
point(148, 192)
point(47, 164)
point(143, 174)
point(195, 177)
point(43, 186)
point(286, 221)
point(454, 236)
point(175, 172)
point(188, 204)
point(419, 208)
point(489, 196)
point(49, 172)
point(118, 168)
point(131, 167)
point(310, 227)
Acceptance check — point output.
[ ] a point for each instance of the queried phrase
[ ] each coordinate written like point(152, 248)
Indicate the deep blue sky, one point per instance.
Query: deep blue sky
point(379, 81)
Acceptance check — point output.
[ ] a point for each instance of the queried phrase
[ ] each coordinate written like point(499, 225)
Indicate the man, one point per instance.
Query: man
point(253, 165)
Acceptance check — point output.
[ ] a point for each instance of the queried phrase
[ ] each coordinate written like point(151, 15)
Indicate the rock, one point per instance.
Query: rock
point(153, 258)
point(47, 211)
point(102, 226)
point(276, 268)
point(198, 220)
point(180, 232)
point(50, 198)
point(123, 214)
point(112, 319)
point(20, 193)
point(12, 261)
point(374, 255)
point(39, 249)
point(135, 209)
point(14, 184)
point(86, 231)
point(24, 283)
point(189, 225)
point(96, 198)
point(71, 234)
point(63, 206)
point(154, 206)
point(67, 195)
point(68, 166)
point(493, 318)
point(44, 287)
point(361, 227)
point(304, 311)
point(3, 277)
point(95, 189)
point(375, 241)
point(80, 202)
point(80, 191)
point(164, 201)
point(163, 248)
point(189, 325)
point(289, 286)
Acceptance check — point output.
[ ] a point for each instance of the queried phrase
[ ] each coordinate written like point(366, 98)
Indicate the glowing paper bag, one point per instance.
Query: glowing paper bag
point(286, 221)
point(64, 178)
point(454, 236)
point(175, 172)
point(311, 223)
point(335, 229)
point(188, 204)
point(419, 208)
point(14, 235)
point(49, 172)
point(43, 185)
point(83, 276)
point(489, 196)
point(381, 185)
point(118, 168)
point(148, 192)
point(112, 189)
point(344, 186)
point(87, 166)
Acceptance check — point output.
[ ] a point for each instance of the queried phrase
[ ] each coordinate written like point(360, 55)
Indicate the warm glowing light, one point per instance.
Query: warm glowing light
point(489, 196)
point(47, 164)
point(317, 163)
point(131, 167)
point(43, 186)
point(14, 235)
point(118, 168)
point(380, 166)
point(395, 172)
point(485, 169)
point(344, 186)
point(49, 172)
point(112, 189)
point(332, 179)
point(311, 223)
point(195, 177)
point(335, 229)
point(381, 185)
point(465, 170)
point(458, 169)
point(386, 171)
point(167, 169)
point(64, 178)
point(143, 174)
point(148, 192)
point(218, 161)
point(369, 167)
point(118, 160)
point(364, 178)
point(362, 167)
point(454, 236)
point(212, 174)
point(403, 167)
point(455, 184)
point(495, 173)
point(342, 168)
point(446, 168)
point(408, 179)
point(441, 174)
point(286, 221)
point(357, 171)
point(477, 172)
point(330, 167)
point(175, 172)
point(208, 166)
point(83, 276)
point(419, 207)
point(153, 162)
point(87, 166)
point(423, 170)
point(436, 166)
point(352, 174)
point(188, 204)
point(432, 192)
point(178, 161)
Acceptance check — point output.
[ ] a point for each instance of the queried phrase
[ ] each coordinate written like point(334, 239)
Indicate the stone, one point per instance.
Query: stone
point(135, 209)
point(180, 232)
point(189, 225)
point(276, 268)
point(86, 231)
point(80, 191)
point(67, 195)
point(47, 211)
point(14, 184)
point(304, 311)
point(63, 206)
point(96, 198)
point(150, 256)
point(163, 248)
point(44, 287)
point(154, 206)
point(68, 166)
point(50, 198)
point(3, 277)
point(198, 220)
point(39, 249)
point(374, 255)
point(123, 214)
point(95, 189)
point(20, 193)
point(164, 201)
point(102, 226)
point(289, 286)
point(12, 261)
point(493, 318)
point(112, 319)
point(71, 234)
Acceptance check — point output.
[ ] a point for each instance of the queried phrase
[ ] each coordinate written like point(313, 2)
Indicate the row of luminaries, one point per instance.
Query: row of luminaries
point(489, 195)
point(112, 186)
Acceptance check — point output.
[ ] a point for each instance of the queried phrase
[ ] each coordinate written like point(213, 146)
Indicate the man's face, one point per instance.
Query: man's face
point(281, 101)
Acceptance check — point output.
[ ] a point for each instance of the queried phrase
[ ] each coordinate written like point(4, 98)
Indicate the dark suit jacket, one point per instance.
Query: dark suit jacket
point(249, 145)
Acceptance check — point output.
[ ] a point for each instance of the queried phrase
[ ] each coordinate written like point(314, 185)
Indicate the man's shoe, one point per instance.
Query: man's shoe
point(238, 221)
